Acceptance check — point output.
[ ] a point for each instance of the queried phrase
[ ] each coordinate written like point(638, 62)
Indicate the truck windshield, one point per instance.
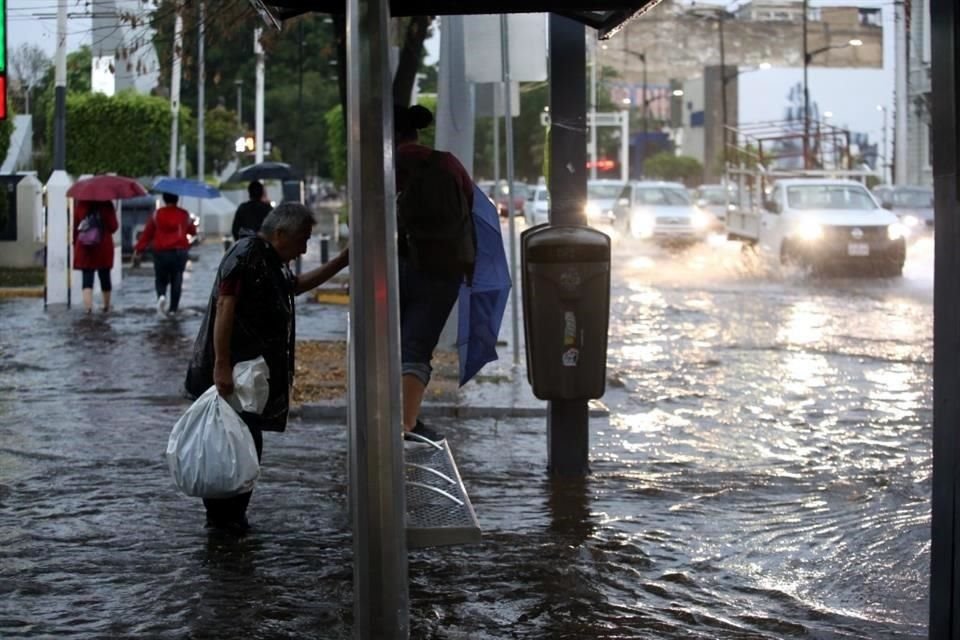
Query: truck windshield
point(822, 196)
point(604, 191)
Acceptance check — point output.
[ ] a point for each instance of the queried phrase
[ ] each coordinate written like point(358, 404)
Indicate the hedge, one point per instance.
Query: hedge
point(128, 134)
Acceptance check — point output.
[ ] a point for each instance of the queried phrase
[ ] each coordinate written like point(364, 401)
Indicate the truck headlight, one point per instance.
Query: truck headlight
point(809, 231)
point(642, 224)
point(910, 221)
point(897, 231)
point(592, 210)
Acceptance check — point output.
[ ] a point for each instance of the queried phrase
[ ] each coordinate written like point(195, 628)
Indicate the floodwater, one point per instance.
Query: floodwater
point(765, 473)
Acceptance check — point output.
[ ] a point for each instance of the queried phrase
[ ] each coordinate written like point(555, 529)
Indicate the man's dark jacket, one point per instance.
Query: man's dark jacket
point(264, 325)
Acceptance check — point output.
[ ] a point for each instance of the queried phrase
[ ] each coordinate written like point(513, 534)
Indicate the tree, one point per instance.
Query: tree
point(221, 129)
point(666, 166)
point(28, 64)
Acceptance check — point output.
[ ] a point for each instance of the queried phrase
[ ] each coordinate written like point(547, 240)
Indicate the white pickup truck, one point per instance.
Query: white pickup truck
point(823, 224)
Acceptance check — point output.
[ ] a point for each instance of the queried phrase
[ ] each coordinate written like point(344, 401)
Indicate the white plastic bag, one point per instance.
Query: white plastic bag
point(210, 452)
point(251, 380)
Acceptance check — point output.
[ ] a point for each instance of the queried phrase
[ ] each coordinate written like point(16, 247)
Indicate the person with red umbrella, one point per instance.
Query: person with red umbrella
point(94, 223)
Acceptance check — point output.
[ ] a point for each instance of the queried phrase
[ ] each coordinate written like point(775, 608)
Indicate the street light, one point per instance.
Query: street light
point(807, 57)
point(883, 150)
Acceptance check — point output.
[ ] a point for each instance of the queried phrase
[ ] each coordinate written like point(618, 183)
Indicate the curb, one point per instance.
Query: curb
point(21, 292)
point(338, 410)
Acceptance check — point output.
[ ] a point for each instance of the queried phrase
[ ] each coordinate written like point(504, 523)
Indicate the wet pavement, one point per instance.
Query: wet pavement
point(765, 472)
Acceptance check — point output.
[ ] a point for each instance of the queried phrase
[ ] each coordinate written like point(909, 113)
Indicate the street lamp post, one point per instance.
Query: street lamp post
point(883, 143)
point(807, 57)
point(238, 83)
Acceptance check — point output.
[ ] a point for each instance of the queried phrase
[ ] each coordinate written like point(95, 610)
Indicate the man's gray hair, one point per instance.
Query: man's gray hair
point(287, 216)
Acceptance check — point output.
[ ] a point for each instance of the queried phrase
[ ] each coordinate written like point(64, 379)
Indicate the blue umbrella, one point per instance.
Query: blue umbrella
point(186, 187)
point(482, 305)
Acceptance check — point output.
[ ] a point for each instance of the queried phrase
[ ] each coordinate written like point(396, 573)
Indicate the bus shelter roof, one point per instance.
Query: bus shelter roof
point(607, 16)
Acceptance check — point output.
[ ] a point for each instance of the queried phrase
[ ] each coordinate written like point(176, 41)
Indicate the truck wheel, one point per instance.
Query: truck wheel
point(892, 270)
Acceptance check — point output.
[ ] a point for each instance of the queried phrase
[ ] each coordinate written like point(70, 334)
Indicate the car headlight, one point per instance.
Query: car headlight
point(809, 231)
point(700, 220)
point(897, 231)
point(592, 210)
point(731, 207)
point(910, 221)
point(642, 223)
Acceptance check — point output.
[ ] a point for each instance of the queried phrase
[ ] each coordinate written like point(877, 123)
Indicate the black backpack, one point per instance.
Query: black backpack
point(435, 222)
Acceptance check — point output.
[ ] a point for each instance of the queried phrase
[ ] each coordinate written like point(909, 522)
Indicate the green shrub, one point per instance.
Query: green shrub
point(128, 134)
point(667, 166)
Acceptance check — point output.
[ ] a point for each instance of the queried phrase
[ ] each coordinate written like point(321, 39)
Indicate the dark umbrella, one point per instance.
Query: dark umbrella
point(186, 187)
point(105, 188)
point(265, 171)
point(482, 305)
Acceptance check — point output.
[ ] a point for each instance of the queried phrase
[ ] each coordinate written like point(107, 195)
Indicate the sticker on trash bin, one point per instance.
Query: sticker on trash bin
point(570, 357)
point(570, 279)
point(569, 328)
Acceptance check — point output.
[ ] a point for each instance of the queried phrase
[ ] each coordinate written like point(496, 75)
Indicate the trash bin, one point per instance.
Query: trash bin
point(566, 310)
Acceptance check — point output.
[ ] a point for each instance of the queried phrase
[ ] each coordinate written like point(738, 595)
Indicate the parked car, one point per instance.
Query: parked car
point(602, 200)
point(715, 199)
point(538, 205)
point(661, 211)
point(912, 204)
point(824, 223)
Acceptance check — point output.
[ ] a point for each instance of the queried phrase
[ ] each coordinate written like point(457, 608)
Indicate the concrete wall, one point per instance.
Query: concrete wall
point(23, 252)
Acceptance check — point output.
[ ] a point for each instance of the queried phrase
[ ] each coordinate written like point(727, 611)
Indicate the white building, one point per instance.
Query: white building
point(123, 56)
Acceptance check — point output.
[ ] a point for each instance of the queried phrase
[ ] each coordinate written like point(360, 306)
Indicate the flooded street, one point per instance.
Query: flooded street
point(765, 473)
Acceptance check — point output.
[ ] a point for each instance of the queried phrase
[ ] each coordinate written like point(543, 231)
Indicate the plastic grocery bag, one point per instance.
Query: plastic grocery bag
point(251, 380)
point(210, 452)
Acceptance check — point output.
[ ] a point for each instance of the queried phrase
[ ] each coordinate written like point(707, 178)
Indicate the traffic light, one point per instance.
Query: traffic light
point(3, 59)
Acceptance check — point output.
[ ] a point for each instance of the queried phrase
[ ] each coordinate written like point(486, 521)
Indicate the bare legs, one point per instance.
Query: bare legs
point(87, 300)
point(413, 390)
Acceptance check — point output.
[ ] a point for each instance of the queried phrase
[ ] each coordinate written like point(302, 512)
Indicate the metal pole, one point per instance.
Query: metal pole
point(377, 489)
point(593, 107)
point(496, 143)
point(258, 52)
point(901, 92)
point(884, 167)
point(511, 222)
point(643, 141)
point(201, 105)
point(60, 99)
point(175, 90)
point(944, 531)
point(723, 97)
point(806, 94)
point(568, 433)
point(239, 84)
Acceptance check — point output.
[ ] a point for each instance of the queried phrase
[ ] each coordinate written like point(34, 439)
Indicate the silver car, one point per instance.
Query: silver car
point(602, 200)
point(663, 212)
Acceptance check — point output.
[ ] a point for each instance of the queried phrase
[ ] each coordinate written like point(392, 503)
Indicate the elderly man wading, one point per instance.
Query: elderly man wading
point(251, 314)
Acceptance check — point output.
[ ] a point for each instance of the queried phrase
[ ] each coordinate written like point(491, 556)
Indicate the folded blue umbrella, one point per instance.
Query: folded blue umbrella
point(482, 305)
point(186, 187)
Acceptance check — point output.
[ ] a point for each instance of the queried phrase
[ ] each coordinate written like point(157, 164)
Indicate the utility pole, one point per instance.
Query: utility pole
point(258, 52)
point(511, 217)
point(723, 97)
point(60, 95)
point(645, 115)
point(175, 89)
point(806, 94)
point(201, 81)
point(593, 107)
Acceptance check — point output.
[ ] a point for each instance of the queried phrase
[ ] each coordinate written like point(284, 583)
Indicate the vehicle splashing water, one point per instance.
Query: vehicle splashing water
point(764, 473)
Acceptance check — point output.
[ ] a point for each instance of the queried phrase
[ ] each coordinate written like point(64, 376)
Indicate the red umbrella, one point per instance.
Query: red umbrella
point(106, 188)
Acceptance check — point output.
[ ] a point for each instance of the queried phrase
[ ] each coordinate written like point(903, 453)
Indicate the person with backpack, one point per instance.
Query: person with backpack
point(168, 230)
point(436, 243)
point(94, 223)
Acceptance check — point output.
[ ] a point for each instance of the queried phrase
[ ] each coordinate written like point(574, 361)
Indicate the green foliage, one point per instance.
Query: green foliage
point(221, 130)
point(94, 143)
point(666, 166)
point(337, 143)
point(79, 63)
point(301, 82)
point(529, 139)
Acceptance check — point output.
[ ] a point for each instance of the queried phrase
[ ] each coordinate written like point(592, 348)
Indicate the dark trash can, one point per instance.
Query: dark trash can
point(566, 310)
